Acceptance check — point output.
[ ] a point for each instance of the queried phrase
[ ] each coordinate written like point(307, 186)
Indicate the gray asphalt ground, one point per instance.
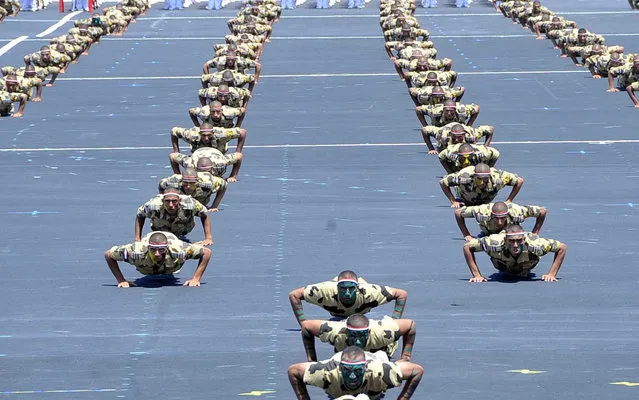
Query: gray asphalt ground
point(306, 207)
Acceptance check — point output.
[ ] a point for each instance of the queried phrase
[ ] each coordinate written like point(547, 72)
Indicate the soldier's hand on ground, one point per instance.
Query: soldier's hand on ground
point(206, 242)
point(539, 38)
point(613, 90)
point(231, 179)
point(18, 114)
point(435, 152)
point(478, 279)
point(455, 204)
point(469, 238)
point(549, 278)
point(126, 284)
point(595, 76)
point(192, 283)
point(213, 209)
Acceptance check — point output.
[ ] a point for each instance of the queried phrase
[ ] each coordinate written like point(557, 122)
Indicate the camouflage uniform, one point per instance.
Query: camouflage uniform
point(206, 185)
point(423, 93)
point(547, 26)
point(243, 49)
point(260, 29)
point(482, 154)
point(482, 214)
point(406, 53)
point(254, 41)
point(626, 76)
point(418, 79)
point(52, 66)
point(467, 190)
point(220, 161)
point(383, 335)
point(24, 87)
point(137, 254)
point(433, 64)
point(369, 296)
point(6, 105)
point(235, 99)
point(179, 224)
point(601, 63)
point(241, 64)
point(534, 248)
point(239, 79)
point(560, 34)
point(380, 376)
point(228, 116)
point(396, 34)
point(221, 137)
point(436, 113)
point(442, 134)
point(393, 22)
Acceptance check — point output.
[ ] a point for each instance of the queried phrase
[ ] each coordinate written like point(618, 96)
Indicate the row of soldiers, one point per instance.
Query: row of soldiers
point(18, 84)
point(9, 8)
point(447, 129)
point(583, 47)
point(197, 187)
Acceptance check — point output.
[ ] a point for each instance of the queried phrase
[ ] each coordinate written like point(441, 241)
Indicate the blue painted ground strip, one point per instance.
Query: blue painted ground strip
point(300, 215)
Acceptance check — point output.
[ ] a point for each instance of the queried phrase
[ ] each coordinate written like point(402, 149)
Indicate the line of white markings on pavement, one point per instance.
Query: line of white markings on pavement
point(306, 146)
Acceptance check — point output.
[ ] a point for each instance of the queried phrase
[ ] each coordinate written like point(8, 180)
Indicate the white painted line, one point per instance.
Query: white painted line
point(58, 24)
point(306, 146)
point(11, 44)
point(344, 75)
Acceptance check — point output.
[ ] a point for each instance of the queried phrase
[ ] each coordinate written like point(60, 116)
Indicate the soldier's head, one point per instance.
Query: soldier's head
point(582, 35)
point(466, 155)
point(457, 134)
point(204, 164)
point(223, 94)
point(545, 17)
point(255, 10)
point(30, 71)
point(83, 29)
point(251, 27)
point(95, 20)
point(515, 239)
point(437, 95)
point(431, 79)
point(536, 5)
point(635, 62)
point(158, 247)
point(70, 39)
point(231, 60)
point(616, 60)
point(11, 81)
point(45, 52)
point(216, 110)
point(352, 367)
point(357, 331)
point(171, 200)
point(206, 134)
point(228, 78)
point(189, 181)
point(60, 48)
point(597, 49)
point(416, 55)
point(231, 47)
point(482, 175)
point(406, 31)
point(347, 286)
point(422, 64)
point(499, 214)
point(450, 109)
point(244, 38)
point(556, 22)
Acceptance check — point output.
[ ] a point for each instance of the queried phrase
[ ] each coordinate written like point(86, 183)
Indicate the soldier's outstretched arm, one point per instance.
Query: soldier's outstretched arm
point(473, 116)
point(633, 97)
point(611, 83)
point(539, 221)
point(218, 199)
point(516, 189)
point(400, 297)
point(412, 374)
point(296, 297)
point(23, 104)
point(489, 136)
point(461, 223)
point(201, 267)
point(407, 330)
point(310, 330)
point(236, 169)
point(429, 144)
point(206, 225)
point(241, 140)
point(551, 276)
point(453, 201)
point(296, 378)
point(139, 225)
point(469, 255)
point(115, 270)
point(38, 95)
point(193, 115)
